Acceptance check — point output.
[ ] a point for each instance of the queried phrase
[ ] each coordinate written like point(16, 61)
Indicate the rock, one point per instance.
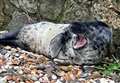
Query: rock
point(61, 11)
point(51, 9)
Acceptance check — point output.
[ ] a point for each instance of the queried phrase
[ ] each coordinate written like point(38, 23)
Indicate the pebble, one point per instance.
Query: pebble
point(7, 55)
point(20, 71)
point(17, 55)
point(54, 77)
point(58, 81)
point(34, 78)
point(3, 80)
point(2, 32)
point(66, 68)
point(42, 76)
point(104, 80)
point(96, 81)
point(22, 82)
point(7, 66)
point(3, 51)
point(17, 68)
point(11, 81)
point(7, 47)
point(36, 82)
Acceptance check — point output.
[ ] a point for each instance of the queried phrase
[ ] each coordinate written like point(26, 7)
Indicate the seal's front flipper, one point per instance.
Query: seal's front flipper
point(56, 45)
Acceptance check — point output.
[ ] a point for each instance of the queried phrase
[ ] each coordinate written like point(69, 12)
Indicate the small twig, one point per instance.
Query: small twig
point(115, 59)
point(100, 68)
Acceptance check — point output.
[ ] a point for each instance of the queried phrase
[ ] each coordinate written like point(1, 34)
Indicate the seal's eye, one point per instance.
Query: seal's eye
point(79, 41)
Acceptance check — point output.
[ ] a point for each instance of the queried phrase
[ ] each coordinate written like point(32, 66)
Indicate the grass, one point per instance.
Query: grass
point(108, 68)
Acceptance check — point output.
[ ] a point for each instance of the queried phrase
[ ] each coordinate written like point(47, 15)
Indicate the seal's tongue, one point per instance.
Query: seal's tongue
point(80, 42)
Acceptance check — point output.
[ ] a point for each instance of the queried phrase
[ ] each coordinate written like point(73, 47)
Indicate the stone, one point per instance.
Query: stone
point(54, 77)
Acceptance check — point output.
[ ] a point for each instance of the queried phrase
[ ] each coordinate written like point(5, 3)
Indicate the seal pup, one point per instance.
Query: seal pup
point(73, 43)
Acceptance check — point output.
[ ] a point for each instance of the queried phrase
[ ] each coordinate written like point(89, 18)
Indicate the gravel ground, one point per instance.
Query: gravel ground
point(20, 66)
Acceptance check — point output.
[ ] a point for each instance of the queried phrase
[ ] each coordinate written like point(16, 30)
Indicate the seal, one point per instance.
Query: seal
point(73, 43)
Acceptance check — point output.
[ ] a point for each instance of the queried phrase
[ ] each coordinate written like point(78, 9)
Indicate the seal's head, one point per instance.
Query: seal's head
point(81, 43)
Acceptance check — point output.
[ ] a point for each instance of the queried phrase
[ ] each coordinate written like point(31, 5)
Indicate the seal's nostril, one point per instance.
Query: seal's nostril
point(90, 60)
point(71, 58)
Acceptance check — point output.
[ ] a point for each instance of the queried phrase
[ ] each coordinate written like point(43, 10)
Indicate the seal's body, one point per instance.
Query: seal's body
point(37, 37)
point(75, 43)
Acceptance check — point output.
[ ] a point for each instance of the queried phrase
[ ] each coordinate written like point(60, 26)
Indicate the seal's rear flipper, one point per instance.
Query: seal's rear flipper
point(8, 37)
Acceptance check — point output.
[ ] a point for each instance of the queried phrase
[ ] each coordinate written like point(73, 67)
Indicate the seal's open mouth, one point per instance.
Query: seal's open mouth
point(80, 41)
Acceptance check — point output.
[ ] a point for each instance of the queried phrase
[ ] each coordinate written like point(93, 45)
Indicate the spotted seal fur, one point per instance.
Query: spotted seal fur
point(74, 43)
